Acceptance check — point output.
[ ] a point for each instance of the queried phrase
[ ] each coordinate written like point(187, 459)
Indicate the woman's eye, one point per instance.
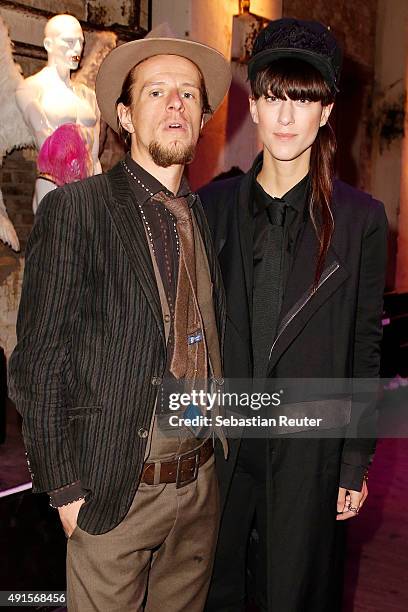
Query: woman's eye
point(304, 101)
point(155, 94)
point(188, 95)
point(271, 98)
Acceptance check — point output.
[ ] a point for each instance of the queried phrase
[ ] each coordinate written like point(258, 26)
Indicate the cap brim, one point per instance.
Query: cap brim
point(213, 65)
point(264, 58)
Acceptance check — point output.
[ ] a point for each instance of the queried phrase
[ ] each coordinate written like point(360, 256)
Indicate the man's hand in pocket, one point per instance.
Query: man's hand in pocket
point(69, 515)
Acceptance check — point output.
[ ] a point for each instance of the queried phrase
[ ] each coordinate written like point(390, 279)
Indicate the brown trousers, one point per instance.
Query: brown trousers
point(159, 558)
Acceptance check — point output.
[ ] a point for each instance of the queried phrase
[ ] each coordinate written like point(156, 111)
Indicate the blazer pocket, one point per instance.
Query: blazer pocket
point(83, 411)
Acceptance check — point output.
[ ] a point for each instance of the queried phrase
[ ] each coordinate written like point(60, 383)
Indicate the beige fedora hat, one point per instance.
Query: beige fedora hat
point(214, 67)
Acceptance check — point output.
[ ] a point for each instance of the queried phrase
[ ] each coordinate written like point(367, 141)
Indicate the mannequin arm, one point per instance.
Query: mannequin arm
point(35, 118)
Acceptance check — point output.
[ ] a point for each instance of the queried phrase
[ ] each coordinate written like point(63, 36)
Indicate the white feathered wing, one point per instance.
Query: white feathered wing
point(14, 133)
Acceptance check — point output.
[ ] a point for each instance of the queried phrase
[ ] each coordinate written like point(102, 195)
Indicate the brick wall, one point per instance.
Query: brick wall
point(17, 178)
point(101, 12)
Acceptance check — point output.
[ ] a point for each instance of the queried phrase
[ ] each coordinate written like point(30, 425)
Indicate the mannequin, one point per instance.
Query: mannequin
point(62, 115)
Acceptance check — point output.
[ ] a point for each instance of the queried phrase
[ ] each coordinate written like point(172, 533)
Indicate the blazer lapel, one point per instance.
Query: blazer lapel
point(300, 301)
point(128, 223)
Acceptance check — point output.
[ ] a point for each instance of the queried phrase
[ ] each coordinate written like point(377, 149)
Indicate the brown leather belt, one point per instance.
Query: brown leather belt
point(182, 470)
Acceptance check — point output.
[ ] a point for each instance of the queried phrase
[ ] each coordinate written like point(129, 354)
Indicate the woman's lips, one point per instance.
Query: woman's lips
point(284, 136)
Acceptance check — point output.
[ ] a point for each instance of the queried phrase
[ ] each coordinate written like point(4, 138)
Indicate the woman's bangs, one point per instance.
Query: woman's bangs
point(294, 79)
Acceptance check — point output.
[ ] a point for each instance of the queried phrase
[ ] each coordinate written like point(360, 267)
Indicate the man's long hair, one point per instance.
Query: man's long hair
point(297, 80)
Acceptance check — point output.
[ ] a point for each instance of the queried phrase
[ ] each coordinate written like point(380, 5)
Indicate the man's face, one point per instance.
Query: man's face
point(288, 128)
point(64, 44)
point(165, 116)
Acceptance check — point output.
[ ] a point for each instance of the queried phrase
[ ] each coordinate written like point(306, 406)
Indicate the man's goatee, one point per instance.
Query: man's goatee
point(171, 154)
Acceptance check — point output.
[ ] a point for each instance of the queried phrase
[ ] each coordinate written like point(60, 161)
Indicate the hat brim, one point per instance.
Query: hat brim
point(321, 63)
point(213, 65)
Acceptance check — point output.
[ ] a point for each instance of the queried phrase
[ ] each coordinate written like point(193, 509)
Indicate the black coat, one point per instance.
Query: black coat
point(91, 346)
point(332, 333)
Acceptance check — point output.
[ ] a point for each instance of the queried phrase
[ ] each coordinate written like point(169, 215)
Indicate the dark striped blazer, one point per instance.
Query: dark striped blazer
point(91, 347)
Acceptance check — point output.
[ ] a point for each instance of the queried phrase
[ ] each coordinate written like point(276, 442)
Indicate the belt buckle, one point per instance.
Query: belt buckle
point(179, 481)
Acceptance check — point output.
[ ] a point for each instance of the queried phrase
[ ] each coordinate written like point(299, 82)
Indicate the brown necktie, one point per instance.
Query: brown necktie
point(189, 359)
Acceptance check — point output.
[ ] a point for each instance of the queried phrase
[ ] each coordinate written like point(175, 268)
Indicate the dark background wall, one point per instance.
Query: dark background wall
point(354, 25)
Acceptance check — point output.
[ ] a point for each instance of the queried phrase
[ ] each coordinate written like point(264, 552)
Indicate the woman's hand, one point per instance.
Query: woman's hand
point(349, 503)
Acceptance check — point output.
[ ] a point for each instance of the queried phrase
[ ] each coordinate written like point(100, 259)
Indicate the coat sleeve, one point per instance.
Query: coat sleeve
point(53, 281)
point(358, 451)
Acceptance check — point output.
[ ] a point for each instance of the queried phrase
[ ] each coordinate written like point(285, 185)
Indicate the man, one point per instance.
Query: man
point(58, 110)
point(116, 300)
point(303, 262)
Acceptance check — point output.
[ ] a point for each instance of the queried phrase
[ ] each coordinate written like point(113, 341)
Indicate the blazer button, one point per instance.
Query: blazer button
point(142, 433)
point(167, 318)
point(157, 380)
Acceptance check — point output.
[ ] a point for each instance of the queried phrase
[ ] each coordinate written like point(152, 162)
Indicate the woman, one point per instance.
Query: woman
point(303, 260)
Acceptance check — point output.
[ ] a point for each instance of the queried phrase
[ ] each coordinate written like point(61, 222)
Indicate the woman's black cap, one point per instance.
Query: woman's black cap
point(307, 40)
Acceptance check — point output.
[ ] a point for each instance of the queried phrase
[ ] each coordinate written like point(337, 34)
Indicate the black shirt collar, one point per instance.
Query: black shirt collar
point(145, 184)
point(297, 197)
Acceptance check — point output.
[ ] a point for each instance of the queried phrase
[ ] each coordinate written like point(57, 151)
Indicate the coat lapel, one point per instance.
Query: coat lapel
point(236, 260)
point(245, 224)
point(300, 301)
point(128, 223)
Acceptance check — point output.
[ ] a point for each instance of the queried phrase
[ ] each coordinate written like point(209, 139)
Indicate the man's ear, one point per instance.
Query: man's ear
point(47, 44)
point(253, 109)
point(125, 118)
point(326, 110)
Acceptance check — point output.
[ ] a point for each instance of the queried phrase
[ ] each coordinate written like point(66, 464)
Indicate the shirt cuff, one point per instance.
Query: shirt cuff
point(66, 495)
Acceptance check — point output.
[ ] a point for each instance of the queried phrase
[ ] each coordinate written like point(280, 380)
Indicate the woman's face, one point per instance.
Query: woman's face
point(288, 128)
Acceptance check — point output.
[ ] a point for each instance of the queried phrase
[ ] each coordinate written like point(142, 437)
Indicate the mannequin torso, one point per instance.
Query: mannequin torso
point(49, 99)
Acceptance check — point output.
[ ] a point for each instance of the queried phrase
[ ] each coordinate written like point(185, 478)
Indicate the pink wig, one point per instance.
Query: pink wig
point(65, 155)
